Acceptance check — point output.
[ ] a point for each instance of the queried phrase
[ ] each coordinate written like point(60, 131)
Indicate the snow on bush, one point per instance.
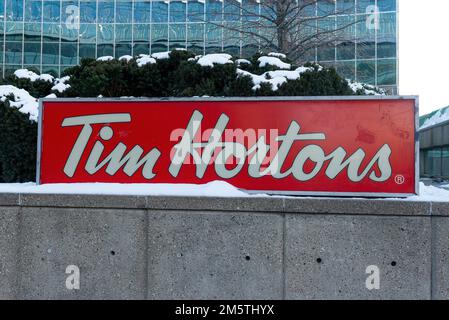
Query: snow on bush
point(20, 99)
point(105, 58)
point(126, 58)
point(277, 55)
point(239, 62)
point(145, 59)
point(274, 78)
point(365, 88)
point(439, 117)
point(216, 58)
point(60, 84)
point(273, 61)
point(32, 76)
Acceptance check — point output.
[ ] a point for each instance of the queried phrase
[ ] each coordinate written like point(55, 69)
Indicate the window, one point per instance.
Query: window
point(345, 6)
point(32, 53)
point(231, 10)
point(88, 11)
point(160, 11)
point(386, 72)
point(33, 10)
point(346, 69)
point(32, 31)
point(106, 12)
point(142, 33)
point(105, 33)
point(432, 162)
point(123, 32)
point(325, 7)
point(13, 52)
point(366, 71)
point(177, 36)
point(445, 161)
point(363, 6)
point(195, 11)
point(50, 53)
point(87, 33)
point(386, 5)
point(214, 10)
point(14, 10)
point(123, 11)
point(195, 38)
point(87, 50)
point(69, 54)
point(142, 12)
point(177, 11)
point(52, 10)
point(14, 31)
point(159, 35)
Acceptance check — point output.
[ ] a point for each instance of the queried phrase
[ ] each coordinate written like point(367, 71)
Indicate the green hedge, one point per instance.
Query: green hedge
point(18, 136)
point(178, 76)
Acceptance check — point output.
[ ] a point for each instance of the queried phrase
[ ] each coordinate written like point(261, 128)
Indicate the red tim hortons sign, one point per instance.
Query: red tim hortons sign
point(336, 146)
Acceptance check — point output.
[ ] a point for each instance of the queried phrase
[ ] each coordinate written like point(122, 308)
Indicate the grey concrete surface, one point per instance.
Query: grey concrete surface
point(217, 248)
point(9, 230)
point(107, 246)
point(215, 256)
point(327, 257)
point(440, 258)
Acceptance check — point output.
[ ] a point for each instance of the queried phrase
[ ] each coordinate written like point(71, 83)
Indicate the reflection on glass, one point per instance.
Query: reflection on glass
point(142, 12)
point(88, 11)
point(106, 12)
point(366, 72)
point(178, 11)
point(123, 12)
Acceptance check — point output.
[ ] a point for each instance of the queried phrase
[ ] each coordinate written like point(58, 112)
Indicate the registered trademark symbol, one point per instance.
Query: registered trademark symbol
point(399, 179)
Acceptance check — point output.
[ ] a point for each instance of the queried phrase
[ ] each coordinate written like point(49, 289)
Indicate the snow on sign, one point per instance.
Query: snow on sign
point(364, 146)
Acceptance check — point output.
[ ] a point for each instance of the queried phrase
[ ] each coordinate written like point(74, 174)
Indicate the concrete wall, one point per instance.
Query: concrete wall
point(193, 248)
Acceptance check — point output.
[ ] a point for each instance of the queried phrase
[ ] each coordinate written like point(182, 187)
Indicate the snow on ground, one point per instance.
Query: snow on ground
point(439, 117)
point(212, 189)
point(431, 193)
point(22, 100)
point(275, 78)
point(216, 58)
point(145, 59)
point(32, 76)
point(273, 61)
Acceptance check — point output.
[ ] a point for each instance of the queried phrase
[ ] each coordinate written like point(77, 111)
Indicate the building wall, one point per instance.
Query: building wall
point(434, 151)
point(45, 35)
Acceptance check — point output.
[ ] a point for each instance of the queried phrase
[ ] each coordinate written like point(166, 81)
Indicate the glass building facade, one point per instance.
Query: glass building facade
point(51, 35)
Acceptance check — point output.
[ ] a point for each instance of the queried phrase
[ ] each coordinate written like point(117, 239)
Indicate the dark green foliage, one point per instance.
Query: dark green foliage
point(18, 136)
point(178, 76)
point(317, 83)
point(37, 89)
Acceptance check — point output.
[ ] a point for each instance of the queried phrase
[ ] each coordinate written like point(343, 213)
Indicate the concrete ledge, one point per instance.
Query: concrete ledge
point(136, 247)
point(254, 204)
